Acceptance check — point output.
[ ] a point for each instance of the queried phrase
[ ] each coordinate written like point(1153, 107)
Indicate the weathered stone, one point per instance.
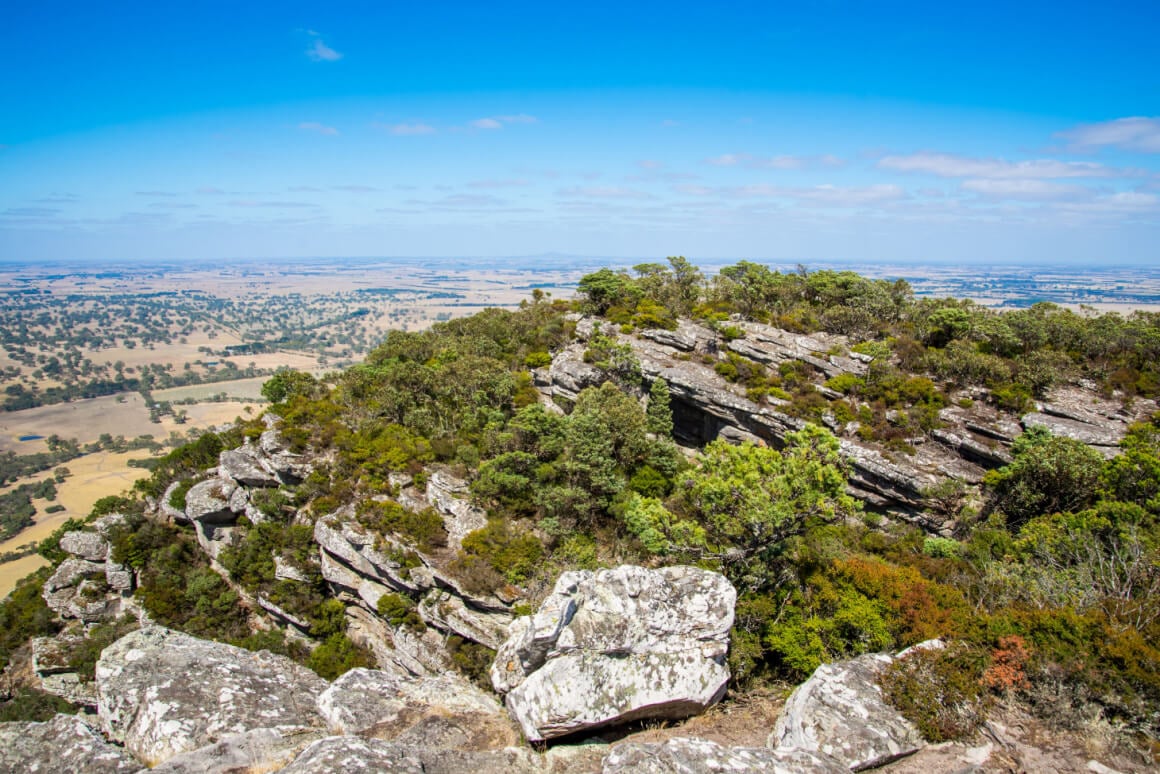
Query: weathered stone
point(71, 572)
point(683, 755)
point(118, 576)
point(840, 712)
point(451, 614)
point(64, 744)
point(242, 466)
point(208, 502)
point(347, 541)
point(397, 648)
point(86, 545)
point(163, 692)
point(107, 523)
point(355, 755)
point(443, 711)
point(175, 514)
point(286, 570)
point(1093, 435)
point(260, 750)
point(618, 645)
point(50, 664)
point(448, 495)
point(213, 538)
point(282, 615)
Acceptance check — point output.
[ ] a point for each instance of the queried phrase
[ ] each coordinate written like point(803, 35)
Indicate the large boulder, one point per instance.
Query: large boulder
point(244, 466)
point(65, 743)
point(617, 645)
point(840, 712)
point(682, 755)
point(162, 692)
point(356, 755)
point(444, 711)
point(208, 502)
point(86, 545)
point(260, 750)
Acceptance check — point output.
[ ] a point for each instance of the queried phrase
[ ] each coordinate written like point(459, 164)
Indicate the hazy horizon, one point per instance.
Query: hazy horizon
point(838, 133)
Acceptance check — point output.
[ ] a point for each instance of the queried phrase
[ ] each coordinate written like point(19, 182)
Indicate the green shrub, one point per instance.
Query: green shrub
point(336, 656)
point(31, 705)
point(399, 610)
point(939, 690)
point(513, 554)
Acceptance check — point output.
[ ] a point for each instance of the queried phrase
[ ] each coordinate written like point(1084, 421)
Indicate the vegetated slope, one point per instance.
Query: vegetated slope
point(1039, 556)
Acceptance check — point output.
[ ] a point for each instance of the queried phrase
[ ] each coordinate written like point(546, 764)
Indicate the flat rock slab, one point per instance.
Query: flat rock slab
point(260, 750)
point(63, 744)
point(694, 756)
point(436, 712)
point(617, 645)
point(163, 693)
point(355, 755)
point(840, 712)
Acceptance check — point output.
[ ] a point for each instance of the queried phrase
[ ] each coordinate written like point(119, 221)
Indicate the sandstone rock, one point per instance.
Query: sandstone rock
point(417, 654)
point(448, 495)
point(118, 576)
point(213, 538)
point(242, 466)
point(107, 523)
point(450, 613)
point(688, 756)
point(50, 664)
point(86, 545)
point(208, 502)
point(1091, 434)
point(71, 572)
point(163, 692)
point(260, 750)
point(61, 592)
point(840, 712)
point(175, 514)
point(618, 645)
point(354, 755)
point(347, 541)
point(63, 744)
point(444, 711)
point(286, 570)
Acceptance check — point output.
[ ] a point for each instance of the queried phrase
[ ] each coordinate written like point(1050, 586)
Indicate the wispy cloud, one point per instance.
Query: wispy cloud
point(603, 192)
point(825, 195)
point(30, 212)
point(155, 193)
point(355, 188)
point(209, 190)
point(270, 204)
point(498, 122)
point(954, 165)
point(1137, 133)
point(317, 128)
point(517, 183)
point(750, 161)
point(319, 51)
point(1026, 190)
point(405, 130)
point(59, 198)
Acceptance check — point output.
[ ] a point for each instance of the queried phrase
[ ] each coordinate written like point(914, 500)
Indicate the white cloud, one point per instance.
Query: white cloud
point(650, 164)
point(320, 52)
point(1030, 190)
point(317, 128)
point(954, 165)
point(517, 183)
point(498, 122)
point(1137, 133)
point(784, 161)
point(406, 130)
point(603, 192)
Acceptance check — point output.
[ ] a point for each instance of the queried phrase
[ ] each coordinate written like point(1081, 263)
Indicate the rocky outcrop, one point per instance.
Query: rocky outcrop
point(443, 711)
point(208, 502)
point(50, 664)
point(85, 545)
point(64, 744)
point(243, 466)
point(355, 755)
point(448, 495)
point(684, 756)
point(260, 750)
point(617, 645)
point(162, 693)
point(840, 712)
point(77, 590)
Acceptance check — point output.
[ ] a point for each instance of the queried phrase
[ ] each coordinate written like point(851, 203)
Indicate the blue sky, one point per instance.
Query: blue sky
point(870, 131)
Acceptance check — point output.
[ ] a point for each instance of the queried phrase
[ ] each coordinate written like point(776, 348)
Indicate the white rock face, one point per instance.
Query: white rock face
point(840, 712)
point(86, 545)
point(448, 495)
point(162, 692)
point(685, 756)
point(63, 744)
point(260, 750)
point(618, 645)
point(435, 712)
